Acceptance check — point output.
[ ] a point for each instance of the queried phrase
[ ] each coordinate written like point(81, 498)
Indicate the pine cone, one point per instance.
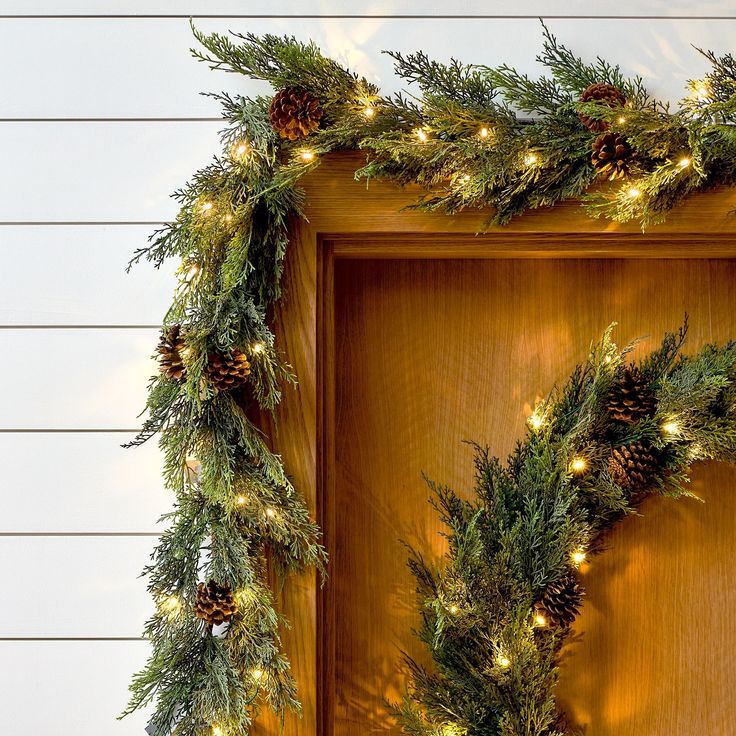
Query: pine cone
point(611, 155)
point(228, 371)
point(561, 601)
point(606, 94)
point(633, 466)
point(632, 398)
point(294, 113)
point(215, 603)
point(170, 349)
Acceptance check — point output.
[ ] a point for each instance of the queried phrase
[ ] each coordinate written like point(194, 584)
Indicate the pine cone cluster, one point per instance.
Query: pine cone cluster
point(170, 349)
point(294, 113)
point(606, 94)
point(632, 399)
point(214, 603)
point(228, 371)
point(633, 467)
point(560, 603)
point(611, 155)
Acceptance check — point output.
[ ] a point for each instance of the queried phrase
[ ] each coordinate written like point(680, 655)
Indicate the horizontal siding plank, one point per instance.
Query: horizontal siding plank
point(69, 688)
point(80, 483)
point(86, 587)
point(75, 379)
point(70, 72)
point(354, 7)
point(76, 276)
point(99, 172)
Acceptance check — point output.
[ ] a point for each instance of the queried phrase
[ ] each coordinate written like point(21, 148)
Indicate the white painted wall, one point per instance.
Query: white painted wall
point(100, 119)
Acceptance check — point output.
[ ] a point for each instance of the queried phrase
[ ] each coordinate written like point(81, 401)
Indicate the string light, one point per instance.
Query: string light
point(484, 132)
point(241, 150)
point(633, 193)
point(192, 272)
point(422, 135)
point(578, 464)
point(270, 513)
point(578, 557)
point(621, 120)
point(307, 155)
point(536, 420)
point(241, 500)
point(465, 178)
point(171, 605)
point(217, 731)
point(531, 159)
point(454, 609)
point(369, 111)
point(258, 347)
point(539, 619)
point(671, 427)
point(503, 661)
point(701, 92)
point(228, 218)
point(206, 207)
point(257, 674)
point(684, 162)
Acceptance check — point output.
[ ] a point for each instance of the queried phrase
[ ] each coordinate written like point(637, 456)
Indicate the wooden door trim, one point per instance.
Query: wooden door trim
point(530, 245)
point(348, 221)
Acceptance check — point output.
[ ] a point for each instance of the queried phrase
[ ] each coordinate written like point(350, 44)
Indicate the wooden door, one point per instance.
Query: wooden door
point(428, 353)
point(431, 352)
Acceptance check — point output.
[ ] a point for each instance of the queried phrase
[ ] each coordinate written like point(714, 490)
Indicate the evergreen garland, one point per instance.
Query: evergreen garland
point(465, 139)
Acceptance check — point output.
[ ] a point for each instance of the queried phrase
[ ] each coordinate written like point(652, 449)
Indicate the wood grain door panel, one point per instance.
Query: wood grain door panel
point(428, 353)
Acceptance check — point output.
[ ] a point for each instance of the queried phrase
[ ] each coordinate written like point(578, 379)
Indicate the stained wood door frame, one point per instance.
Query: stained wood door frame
point(348, 220)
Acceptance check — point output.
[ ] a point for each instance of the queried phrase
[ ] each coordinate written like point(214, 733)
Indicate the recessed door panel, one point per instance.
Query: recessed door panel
point(429, 353)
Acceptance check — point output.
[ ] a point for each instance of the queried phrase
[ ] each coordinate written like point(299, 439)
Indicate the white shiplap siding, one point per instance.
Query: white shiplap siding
point(100, 120)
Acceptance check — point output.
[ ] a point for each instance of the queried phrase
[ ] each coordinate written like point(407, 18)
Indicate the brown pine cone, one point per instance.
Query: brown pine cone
point(606, 94)
point(228, 371)
point(611, 155)
point(294, 113)
point(632, 398)
point(214, 603)
point(560, 602)
point(634, 466)
point(170, 349)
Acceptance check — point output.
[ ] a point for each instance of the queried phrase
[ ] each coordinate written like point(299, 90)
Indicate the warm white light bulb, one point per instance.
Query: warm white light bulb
point(578, 557)
point(531, 159)
point(207, 206)
point(536, 421)
point(454, 609)
point(671, 427)
point(307, 155)
point(484, 132)
point(270, 513)
point(539, 619)
point(217, 731)
point(579, 464)
point(684, 162)
point(421, 134)
point(503, 661)
point(466, 178)
point(257, 674)
point(621, 120)
point(369, 111)
point(258, 347)
point(240, 500)
point(633, 193)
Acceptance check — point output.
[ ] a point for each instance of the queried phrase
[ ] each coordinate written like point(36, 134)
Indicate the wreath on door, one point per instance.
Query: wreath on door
point(498, 608)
